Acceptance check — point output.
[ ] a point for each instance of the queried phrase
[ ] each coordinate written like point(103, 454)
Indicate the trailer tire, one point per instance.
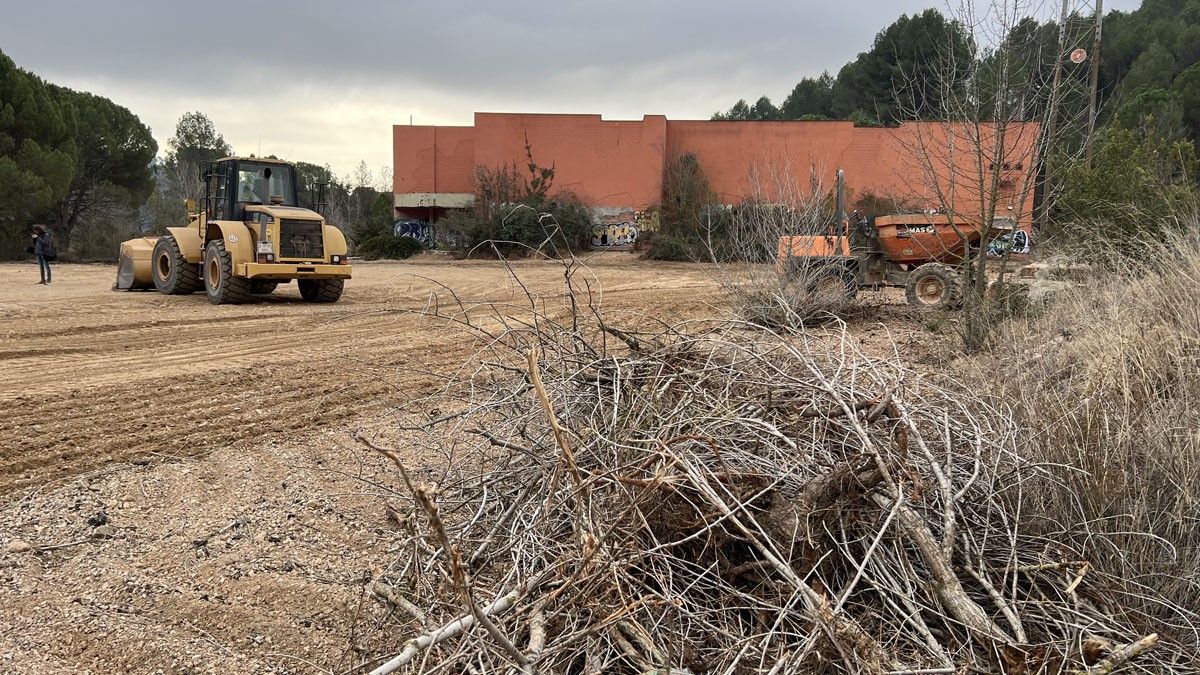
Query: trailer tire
point(835, 284)
point(321, 290)
point(933, 286)
point(261, 287)
point(220, 284)
point(172, 273)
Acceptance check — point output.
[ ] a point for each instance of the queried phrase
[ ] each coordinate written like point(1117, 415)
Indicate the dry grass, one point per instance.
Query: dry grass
point(1105, 383)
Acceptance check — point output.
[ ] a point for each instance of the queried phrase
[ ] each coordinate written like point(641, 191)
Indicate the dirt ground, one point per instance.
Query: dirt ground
point(185, 474)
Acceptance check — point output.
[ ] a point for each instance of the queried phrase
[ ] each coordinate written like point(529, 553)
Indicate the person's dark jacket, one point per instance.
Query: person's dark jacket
point(42, 245)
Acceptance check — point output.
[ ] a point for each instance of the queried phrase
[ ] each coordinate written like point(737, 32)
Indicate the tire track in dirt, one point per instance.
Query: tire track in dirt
point(141, 327)
point(190, 413)
point(107, 362)
point(88, 377)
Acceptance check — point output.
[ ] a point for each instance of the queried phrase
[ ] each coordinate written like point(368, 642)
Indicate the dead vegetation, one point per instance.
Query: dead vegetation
point(724, 499)
point(1103, 381)
point(799, 291)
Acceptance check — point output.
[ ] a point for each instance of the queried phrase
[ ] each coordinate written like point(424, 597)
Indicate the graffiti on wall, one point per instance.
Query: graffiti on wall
point(417, 229)
point(617, 236)
point(618, 229)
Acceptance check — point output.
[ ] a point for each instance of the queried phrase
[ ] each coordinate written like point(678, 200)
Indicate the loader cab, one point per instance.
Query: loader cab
point(233, 183)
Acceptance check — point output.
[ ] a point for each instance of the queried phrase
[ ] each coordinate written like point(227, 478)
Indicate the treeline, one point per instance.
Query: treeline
point(89, 170)
point(913, 48)
point(1149, 68)
point(72, 160)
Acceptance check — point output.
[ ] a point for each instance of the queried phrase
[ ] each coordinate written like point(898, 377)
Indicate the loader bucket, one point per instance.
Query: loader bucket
point(133, 265)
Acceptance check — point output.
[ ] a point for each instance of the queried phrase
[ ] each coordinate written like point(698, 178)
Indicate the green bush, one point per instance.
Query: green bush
point(672, 247)
point(515, 229)
point(1132, 185)
point(516, 212)
point(388, 247)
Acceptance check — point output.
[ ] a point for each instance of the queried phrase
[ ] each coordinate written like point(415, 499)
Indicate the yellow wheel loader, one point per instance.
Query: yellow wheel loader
point(248, 235)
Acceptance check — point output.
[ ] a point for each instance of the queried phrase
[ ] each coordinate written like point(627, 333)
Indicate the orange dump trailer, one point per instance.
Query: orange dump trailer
point(915, 239)
point(919, 252)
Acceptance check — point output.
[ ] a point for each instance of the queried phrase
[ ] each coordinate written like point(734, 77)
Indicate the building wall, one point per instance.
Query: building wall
point(608, 163)
point(619, 166)
point(911, 164)
point(433, 168)
point(745, 159)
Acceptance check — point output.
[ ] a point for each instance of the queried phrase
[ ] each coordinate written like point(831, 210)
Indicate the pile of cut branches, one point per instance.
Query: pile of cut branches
point(728, 500)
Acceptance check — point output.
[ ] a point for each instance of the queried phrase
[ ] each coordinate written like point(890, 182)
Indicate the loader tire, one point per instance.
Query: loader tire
point(172, 273)
point(220, 284)
point(933, 286)
point(263, 287)
point(321, 290)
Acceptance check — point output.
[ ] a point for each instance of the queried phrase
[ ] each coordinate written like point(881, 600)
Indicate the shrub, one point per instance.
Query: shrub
point(389, 247)
point(1130, 188)
point(691, 221)
point(672, 247)
point(515, 212)
point(461, 230)
point(516, 228)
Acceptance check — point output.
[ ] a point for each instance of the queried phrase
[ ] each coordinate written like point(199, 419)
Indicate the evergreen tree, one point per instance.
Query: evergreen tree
point(196, 140)
point(762, 111)
point(890, 82)
point(37, 151)
point(809, 98)
point(1187, 88)
point(114, 156)
point(1153, 68)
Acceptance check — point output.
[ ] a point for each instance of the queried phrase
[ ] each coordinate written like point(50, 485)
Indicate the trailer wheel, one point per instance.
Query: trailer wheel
point(321, 290)
point(220, 284)
point(172, 273)
point(260, 287)
point(933, 286)
point(834, 286)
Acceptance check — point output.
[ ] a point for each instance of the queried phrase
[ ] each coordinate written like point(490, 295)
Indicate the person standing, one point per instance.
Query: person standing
point(43, 250)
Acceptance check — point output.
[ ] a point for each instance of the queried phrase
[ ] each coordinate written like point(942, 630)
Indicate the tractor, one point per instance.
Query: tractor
point(248, 235)
point(922, 253)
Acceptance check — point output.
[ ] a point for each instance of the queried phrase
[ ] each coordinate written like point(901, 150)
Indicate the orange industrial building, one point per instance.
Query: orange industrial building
point(619, 167)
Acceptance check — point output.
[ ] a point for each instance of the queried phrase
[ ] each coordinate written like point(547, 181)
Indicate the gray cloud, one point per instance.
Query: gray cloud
point(324, 81)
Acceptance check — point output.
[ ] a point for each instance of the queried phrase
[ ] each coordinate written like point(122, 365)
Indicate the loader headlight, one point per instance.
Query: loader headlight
point(339, 260)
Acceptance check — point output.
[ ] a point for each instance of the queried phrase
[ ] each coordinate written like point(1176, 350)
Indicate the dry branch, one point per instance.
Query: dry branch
point(726, 501)
point(453, 629)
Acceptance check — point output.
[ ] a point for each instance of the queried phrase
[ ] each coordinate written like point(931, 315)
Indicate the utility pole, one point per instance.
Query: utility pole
point(1095, 81)
point(1052, 114)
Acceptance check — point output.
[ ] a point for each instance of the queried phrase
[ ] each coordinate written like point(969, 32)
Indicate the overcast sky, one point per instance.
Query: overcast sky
point(324, 81)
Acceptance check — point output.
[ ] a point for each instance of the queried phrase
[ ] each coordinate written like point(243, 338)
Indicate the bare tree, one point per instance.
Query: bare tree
point(384, 183)
point(999, 119)
point(185, 177)
point(362, 176)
